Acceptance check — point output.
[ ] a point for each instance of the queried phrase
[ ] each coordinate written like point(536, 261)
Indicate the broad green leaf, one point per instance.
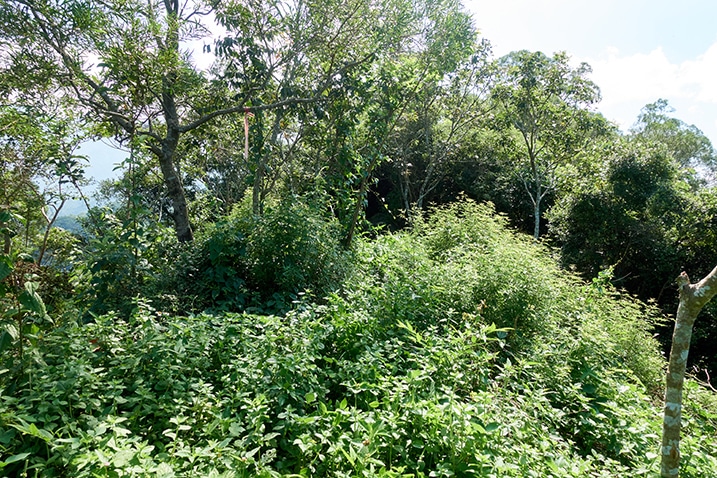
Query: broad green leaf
point(165, 471)
point(492, 426)
point(6, 266)
point(6, 341)
point(11, 329)
point(31, 300)
point(32, 430)
point(14, 458)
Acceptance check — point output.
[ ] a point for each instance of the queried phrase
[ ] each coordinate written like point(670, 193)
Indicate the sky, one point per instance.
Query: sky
point(639, 50)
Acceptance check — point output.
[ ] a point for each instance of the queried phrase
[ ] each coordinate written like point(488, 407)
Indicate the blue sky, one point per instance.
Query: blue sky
point(639, 50)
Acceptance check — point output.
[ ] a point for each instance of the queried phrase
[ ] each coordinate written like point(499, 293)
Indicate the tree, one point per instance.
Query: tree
point(446, 113)
point(545, 101)
point(622, 214)
point(39, 171)
point(123, 62)
point(636, 205)
point(349, 135)
point(688, 145)
point(693, 298)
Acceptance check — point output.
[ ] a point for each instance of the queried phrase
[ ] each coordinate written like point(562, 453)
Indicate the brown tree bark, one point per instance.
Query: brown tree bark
point(175, 191)
point(693, 298)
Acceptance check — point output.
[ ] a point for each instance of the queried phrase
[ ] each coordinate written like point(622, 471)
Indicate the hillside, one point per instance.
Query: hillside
point(455, 349)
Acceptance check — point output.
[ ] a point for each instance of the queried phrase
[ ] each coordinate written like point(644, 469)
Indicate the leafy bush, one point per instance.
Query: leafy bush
point(295, 246)
point(242, 395)
point(208, 273)
point(23, 314)
point(462, 260)
point(119, 260)
point(403, 372)
point(262, 262)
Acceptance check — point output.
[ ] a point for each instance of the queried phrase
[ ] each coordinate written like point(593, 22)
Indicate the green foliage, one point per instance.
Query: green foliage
point(256, 261)
point(690, 148)
point(294, 247)
point(701, 403)
point(626, 219)
point(404, 372)
point(119, 260)
point(637, 214)
point(23, 314)
point(545, 101)
point(455, 348)
point(697, 234)
point(462, 259)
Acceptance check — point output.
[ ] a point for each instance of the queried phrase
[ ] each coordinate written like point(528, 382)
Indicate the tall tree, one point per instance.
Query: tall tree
point(356, 129)
point(123, 61)
point(621, 214)
point(445, 113)
point(692, 150)
point(546, 101)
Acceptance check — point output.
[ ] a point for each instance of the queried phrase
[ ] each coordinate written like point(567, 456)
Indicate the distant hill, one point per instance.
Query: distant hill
point(74, 207)
point(70, 223)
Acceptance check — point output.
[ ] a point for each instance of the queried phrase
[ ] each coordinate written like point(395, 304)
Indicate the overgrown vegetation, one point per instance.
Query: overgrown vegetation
point(248, 261)
point(455, 349)
point(315, 262)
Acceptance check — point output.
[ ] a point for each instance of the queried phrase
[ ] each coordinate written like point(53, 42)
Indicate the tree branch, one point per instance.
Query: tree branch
point(278, 104)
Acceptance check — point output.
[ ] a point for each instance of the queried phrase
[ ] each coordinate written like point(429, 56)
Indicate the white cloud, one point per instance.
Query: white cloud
point(628, 82)
point(632, 49)
point(652, 75)
point(702, 73)
point(644, 77)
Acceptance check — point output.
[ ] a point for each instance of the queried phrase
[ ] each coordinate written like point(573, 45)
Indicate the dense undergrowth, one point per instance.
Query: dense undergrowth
point(456, 349)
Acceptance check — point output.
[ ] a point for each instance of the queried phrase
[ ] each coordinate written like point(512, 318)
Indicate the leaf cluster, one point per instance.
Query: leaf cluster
point(406, 372)
point(249, 261)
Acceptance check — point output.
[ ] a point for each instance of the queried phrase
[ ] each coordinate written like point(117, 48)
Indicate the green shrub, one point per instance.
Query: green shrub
point(462, 261)
point(209, 273)
point(248, 262)
point(294, 247)
point(246, 395)
point(403, 372)
point(23, 315)
point(120, 259)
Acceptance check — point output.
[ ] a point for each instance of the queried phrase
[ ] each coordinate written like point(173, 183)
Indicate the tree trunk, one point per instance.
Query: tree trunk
point(7, 239)
point(175, 190)
point(50, 221)
point(537, 196)
point(358, 206)
point(256, 205)
point(536, 228)
point(692, 298)
point(404, 182)
point(167, 155)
